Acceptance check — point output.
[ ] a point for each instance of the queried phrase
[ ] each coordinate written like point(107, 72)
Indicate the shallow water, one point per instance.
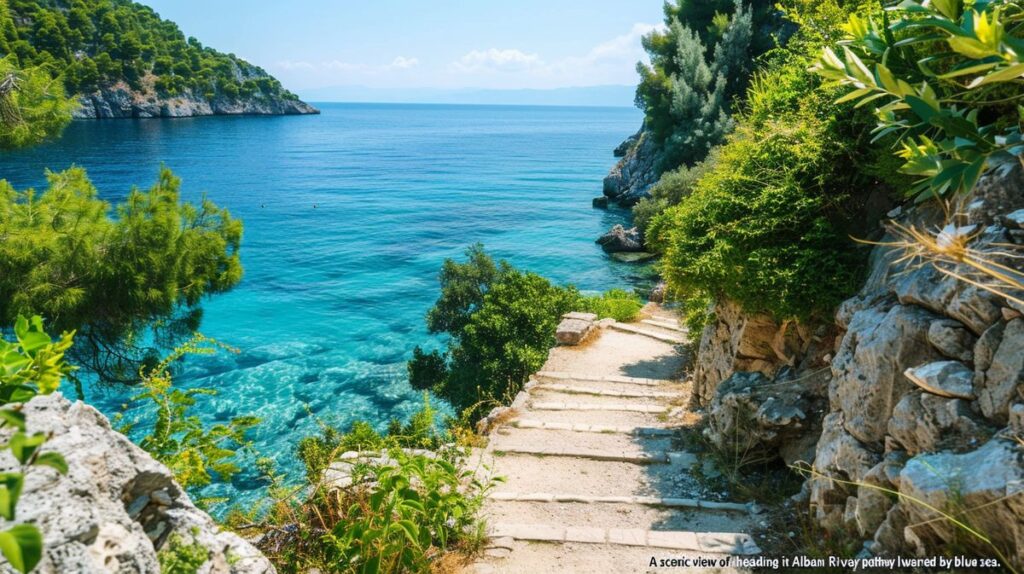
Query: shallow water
point(348, 216)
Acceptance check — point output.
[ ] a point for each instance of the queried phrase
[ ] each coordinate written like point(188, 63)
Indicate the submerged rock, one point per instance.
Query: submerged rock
point(634, 256)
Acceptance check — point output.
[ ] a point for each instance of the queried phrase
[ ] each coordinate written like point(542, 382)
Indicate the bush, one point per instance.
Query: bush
point(615, 304)
point(399, 516)
point(768, 222)
point(501, 322)
point(670, 189)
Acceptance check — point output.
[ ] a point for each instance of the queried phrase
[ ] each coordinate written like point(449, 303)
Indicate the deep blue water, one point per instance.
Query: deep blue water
point(348, 216)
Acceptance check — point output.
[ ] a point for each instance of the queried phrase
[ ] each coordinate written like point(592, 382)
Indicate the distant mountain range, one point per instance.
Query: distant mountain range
point(610, 96)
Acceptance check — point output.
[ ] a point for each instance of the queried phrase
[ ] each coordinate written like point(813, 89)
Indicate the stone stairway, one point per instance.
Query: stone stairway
point(596, 479)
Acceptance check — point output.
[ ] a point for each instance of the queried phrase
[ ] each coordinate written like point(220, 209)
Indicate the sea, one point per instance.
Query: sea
point(348, 217)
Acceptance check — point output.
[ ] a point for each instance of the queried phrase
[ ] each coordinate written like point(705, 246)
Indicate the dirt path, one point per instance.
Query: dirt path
point(595, 480)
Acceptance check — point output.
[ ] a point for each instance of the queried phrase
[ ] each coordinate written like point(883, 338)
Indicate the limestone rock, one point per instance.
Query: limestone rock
point(769, 418)
point(867, 372)
point(117, 506)
point(951, 379)
point(657, 294)
point(926, 286)
point(621, 239)
point(632, 177)
point(122, 101)
point(952, 339)
point(841, 455)
point(736, 341)
point(923, 422)
point(600, 202)
point(574, 328)
point(986, 485)
point(1003, 378)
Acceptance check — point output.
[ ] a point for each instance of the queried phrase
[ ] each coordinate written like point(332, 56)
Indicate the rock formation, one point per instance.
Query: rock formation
point(117, 509)
point(925, 392)
point(636, 172)
point(120, 101)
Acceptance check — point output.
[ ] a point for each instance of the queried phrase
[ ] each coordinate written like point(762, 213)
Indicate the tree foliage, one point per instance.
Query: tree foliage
point(92, 44)
point(32, 106)
point(699, 64)
point(501, 323)
point(129, 279)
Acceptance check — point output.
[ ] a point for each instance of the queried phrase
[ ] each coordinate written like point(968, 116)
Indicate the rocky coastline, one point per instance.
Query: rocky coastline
point(121, 101)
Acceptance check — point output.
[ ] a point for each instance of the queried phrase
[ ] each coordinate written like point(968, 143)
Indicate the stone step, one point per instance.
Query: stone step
point(658, 336)
point(708, 542)
point(593, 390)
point(593, 428)
point(585, 378)
point(527, 473)
point(669, 325)
point(656, 501)
point(512, 437)
point(553, 405)
point(633, 457)
point(615, 418)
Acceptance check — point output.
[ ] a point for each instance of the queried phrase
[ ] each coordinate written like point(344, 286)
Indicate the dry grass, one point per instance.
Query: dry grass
point(948, 249)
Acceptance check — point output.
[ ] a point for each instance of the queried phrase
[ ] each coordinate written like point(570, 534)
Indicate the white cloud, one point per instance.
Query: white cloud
point(610, 62)
point(403, 63)
point(495, 60)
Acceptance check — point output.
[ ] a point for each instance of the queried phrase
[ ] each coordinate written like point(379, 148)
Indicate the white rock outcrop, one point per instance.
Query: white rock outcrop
point(117, 507)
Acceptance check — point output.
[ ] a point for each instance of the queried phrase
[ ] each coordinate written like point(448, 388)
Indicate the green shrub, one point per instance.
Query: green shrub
point(616, 304)
point(768, 223)
point(398, 516)
point(501, 324)
point(670, 189)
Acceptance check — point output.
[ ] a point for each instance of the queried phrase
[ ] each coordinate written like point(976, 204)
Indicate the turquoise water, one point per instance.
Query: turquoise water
point(348, 216)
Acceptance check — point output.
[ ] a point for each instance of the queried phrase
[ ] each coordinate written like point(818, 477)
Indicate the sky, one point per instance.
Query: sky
point(311, 45)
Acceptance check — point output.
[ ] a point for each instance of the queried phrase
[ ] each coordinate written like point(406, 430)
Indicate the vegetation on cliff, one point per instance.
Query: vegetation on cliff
point(766, 220)
point(92, 44)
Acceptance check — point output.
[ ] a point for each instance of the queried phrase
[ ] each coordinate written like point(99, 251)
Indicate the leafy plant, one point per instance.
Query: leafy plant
point(946, 77)
point(501, 322)
point(178, 438)
point(32, 364)
point(401, 512)
point(616, 304)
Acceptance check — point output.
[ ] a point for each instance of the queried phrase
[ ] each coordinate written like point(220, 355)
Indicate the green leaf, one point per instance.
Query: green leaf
point(13, 418)
point(1014, 72)
point(24, 446)
point(10, 490)
point(22, 545)
point(53, 460)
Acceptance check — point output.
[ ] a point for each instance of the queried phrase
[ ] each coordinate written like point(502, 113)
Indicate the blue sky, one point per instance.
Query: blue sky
point(448, 44)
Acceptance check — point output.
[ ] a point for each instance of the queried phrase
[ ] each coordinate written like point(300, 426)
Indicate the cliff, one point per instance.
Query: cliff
point(635, 172)
point(116, 509)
